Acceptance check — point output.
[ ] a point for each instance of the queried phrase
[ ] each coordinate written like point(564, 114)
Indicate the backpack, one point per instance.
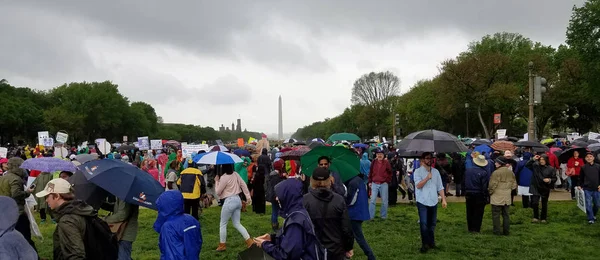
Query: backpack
point(100, 243)
point(320, 250)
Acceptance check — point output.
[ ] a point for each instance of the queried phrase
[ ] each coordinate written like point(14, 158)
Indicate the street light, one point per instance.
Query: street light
point(467, 112)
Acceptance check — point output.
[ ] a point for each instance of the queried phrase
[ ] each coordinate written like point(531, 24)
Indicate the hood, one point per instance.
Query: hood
point(527, 156)
point(323, 194)
point(10, 214)
point(169, 204)
point(365, 156)
point(264, 151)
point(13, 166)
point(289, 193)
point(76, 207)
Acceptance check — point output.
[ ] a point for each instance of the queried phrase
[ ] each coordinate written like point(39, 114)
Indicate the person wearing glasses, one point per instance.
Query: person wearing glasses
point(428, 183)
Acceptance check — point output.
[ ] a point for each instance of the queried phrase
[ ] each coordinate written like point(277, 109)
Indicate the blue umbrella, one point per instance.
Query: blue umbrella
point(48, 164)
point(484, 148)
point(364, 146)
point(217, 158)
point(123, 180)
point(318, 140)
point(241, 152)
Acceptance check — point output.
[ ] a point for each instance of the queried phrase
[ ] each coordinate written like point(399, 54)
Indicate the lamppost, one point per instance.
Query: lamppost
point(467, 112)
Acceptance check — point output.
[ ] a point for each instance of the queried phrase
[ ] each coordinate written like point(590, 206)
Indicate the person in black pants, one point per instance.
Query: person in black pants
point(476, 187)
point(541, 183)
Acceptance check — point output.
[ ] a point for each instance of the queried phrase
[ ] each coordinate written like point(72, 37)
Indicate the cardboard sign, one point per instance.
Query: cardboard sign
point(501, 133)
point(144, 143)
point(580, 196)
point(41, 136)
point(240, 142)
point(188, 149)
point(124, 139)
point(103, 145)
point(156, 144)
point(497, 119)
point(61, 137)
point(48, 142)
point(3, 152)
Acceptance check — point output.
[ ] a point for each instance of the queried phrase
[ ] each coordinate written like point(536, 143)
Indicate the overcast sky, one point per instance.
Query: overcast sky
point(206, 62)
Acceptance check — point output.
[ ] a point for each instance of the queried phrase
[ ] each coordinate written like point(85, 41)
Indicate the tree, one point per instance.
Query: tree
point(583, 36)
point(373, 88)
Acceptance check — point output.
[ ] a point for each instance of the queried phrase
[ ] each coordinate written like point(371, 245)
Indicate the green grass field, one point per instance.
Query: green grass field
point(567, 236)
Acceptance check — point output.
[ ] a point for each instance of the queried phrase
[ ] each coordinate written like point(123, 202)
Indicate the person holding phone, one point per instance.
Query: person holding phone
point(541, 183)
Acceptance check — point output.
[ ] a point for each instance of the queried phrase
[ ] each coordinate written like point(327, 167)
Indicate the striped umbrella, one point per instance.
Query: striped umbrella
point(217, 158)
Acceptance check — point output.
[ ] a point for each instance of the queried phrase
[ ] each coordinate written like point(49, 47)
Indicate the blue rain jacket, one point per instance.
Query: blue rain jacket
point(180, 235)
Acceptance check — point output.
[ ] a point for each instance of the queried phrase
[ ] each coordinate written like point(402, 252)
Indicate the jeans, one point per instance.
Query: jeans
point(381, 189)
point(231, 209)
point(427, 221)
point(475, 208)
point(573, 180)
point(125, 248)
point(535, 205)
point(592, 199)
point(191, 207)
point(360, 239)
point(496, 212)
point(274, 212)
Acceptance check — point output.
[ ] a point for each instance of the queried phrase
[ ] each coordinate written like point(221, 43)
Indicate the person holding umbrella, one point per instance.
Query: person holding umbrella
point(428, 186)
point(541, 183)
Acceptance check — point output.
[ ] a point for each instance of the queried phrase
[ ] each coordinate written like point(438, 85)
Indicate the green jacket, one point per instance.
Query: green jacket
point(40, 184)
point(242, 168)
point(11, 183)
point(123, 211)
point(70, 230)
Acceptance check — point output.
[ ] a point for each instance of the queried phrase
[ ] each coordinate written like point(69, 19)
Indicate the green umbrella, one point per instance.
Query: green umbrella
point(343, 136)
point(343, 161)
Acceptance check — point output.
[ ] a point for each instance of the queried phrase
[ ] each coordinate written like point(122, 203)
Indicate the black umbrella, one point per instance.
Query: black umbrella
point(299, 143)
point(315, 144)
point(530, 144)
point(126, 147)
point(432, 141)
point(510, 138)
point(567, 154)
point(87, 191)
point(592, 141)
point(480, 142)
point(579, 143)
point(254, 253)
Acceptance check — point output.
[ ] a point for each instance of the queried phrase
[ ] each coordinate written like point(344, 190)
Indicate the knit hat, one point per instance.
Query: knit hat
point(320, 174)
point(278, 165)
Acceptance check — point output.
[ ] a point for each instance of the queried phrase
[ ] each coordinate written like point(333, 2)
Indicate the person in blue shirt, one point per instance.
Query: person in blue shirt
point(358, 210)
point(428, 185)
point(365, 166)
point(180, 235)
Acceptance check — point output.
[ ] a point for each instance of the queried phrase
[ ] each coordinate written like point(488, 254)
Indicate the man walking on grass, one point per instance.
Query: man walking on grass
point(428, 184)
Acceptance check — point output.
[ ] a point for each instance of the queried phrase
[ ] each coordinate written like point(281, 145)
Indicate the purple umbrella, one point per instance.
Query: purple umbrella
point(48, 164)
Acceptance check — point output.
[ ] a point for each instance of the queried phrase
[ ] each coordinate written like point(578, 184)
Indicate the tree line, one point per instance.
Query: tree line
point(90, 110)
point(491, 76)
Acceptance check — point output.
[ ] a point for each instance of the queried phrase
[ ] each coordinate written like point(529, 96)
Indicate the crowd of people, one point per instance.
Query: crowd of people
point(322, 214)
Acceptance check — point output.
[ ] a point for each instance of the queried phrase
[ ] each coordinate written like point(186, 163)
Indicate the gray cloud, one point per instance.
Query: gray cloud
point(225, 91)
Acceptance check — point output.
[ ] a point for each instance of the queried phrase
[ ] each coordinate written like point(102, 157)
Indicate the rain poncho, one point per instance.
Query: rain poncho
point(242, 168)
point(180, 235)
point(12, 244)
point(365, 164)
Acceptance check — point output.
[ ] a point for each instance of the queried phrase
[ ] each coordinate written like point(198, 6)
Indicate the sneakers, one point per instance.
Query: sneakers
point(591, 222)
point(535, 220)
point(544, 221)
point(43, 221)
point(249, 242)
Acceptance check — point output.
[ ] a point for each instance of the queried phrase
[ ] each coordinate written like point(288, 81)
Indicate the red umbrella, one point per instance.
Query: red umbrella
point(295, 153)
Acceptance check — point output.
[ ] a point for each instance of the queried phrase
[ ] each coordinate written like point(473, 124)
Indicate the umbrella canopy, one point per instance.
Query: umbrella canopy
point(126, 147)
point(483, 149)
point(217, 158)
point(87, 191)
point(317, 140)
point(431, 141)
point(577, 143)
point(123, 180)
point(370, 142)
point(48, 164)
point(510, 138)
point(299, 143)
point(241, 152)
point(530, 144)
point(289, 141)
point(364, 146)
point(594, 147)
point(343, 161)
point(313, 145)
point(173, 143)
point(567, 154)
point(220, 148)
point(295, 153)
point(548, 141)
point(343, 136)
point(481, 141)
point(592, 141)
point(503, 146)
point(83, 158)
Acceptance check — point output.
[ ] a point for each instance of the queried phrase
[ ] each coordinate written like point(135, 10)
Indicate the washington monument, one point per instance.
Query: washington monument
point(280, 131)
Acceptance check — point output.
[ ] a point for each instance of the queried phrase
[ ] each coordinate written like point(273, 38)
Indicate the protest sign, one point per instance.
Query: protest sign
point(144, 143)
point(156, 144)
point(580, 196)
point(61, 152)
point(3, 152)
point(41, 136)
point(48, 142)
point(61, 137)
point(501, 133)
point(188, 149)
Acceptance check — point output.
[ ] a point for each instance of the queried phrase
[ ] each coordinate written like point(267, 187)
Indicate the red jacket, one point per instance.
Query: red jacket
point(571, 164)
point(553, 160)
point(381, 171)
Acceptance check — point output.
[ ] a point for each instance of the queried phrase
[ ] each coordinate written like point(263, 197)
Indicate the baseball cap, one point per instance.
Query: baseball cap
point(59, 186)
point(320, 174)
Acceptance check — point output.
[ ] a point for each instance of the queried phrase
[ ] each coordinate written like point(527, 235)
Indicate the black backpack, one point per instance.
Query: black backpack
point(100, 243)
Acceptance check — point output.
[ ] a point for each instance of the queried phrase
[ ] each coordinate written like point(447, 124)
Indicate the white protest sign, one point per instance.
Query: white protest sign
point(188, 149)
point(124, 138)
point(61, 152)
point(3, 152)
point(48, 142)
point(144, 143)
point(156, 144)
point(42, 135)
point(103, 145)
point(580, 196)
point(61, 137)
point(501, 133)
